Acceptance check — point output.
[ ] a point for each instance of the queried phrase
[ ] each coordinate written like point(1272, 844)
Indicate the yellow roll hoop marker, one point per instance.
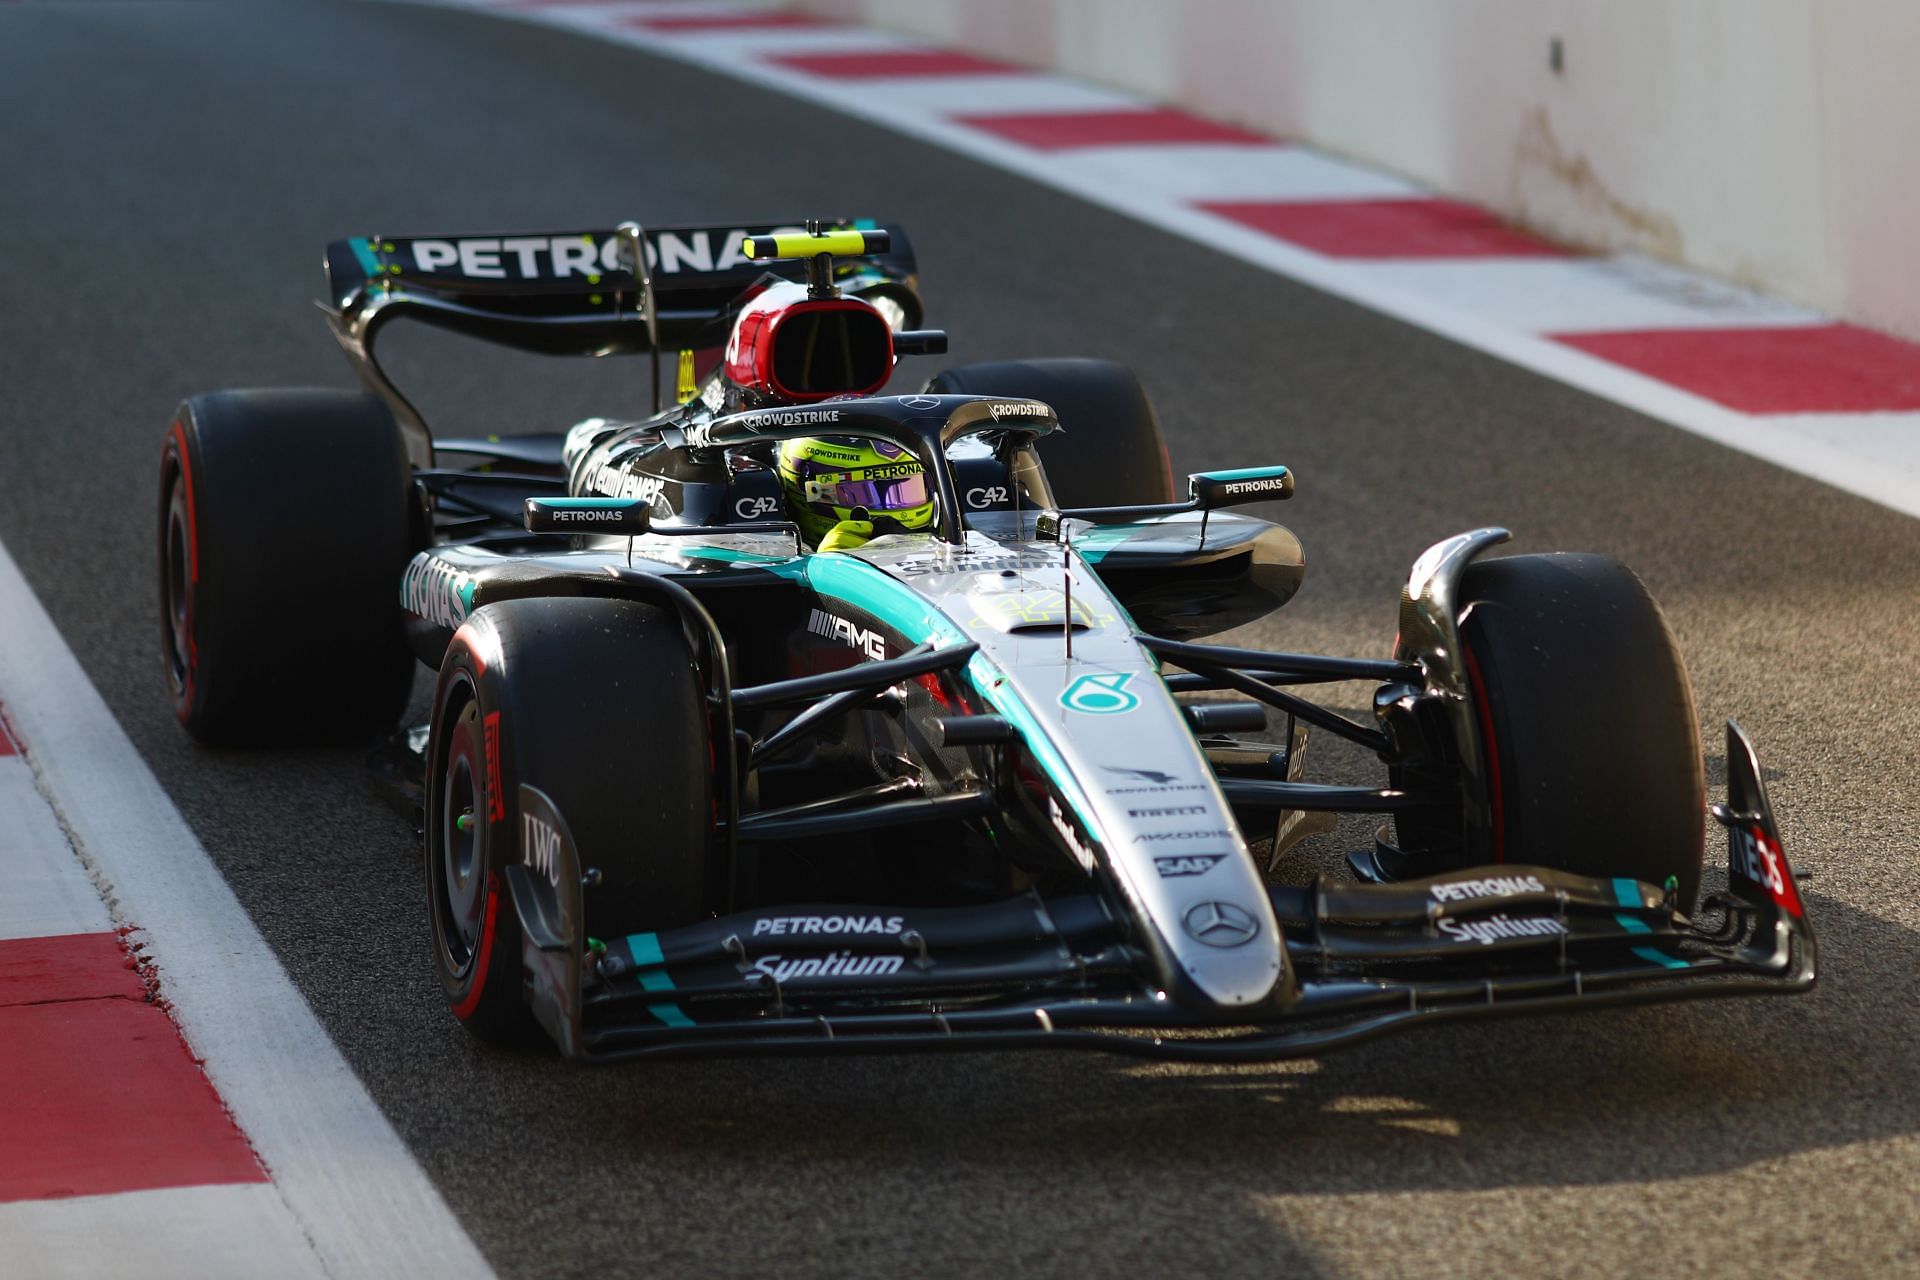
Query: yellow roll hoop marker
point(800, 244)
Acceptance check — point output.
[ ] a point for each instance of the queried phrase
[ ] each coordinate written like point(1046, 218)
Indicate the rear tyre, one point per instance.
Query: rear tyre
point(1108, 451)
point(1587, 720)
point(599, 705)
point(285, 527)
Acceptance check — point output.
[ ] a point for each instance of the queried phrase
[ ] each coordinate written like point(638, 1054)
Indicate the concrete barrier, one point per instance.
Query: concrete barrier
point(1767, 141)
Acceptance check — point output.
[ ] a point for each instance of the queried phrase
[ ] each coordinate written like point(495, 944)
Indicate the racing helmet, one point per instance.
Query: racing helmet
point(827, 479)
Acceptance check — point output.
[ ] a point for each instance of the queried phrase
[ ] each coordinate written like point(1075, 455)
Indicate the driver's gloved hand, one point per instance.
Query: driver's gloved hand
point(848, 535)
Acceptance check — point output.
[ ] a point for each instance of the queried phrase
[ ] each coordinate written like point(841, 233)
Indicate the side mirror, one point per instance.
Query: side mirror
point(628, 516)
point(1212, 490)
point(920, 342)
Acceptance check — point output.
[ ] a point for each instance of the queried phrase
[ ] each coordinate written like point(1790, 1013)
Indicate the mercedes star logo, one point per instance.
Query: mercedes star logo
point(919, 402)
point(1221, 924)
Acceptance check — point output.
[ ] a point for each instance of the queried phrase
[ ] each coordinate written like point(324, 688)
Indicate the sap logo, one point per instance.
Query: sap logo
point(833, 627)
point(436, 591)
point(618, 482)
point(542, 845)
point(987, 495)
point(1197, 864)
point(756, 508)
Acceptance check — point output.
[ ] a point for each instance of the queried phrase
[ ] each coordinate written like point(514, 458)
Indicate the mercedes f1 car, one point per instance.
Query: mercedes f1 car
point(692, 783)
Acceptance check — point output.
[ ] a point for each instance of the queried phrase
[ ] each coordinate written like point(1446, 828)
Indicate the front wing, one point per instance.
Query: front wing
point(1064, 973)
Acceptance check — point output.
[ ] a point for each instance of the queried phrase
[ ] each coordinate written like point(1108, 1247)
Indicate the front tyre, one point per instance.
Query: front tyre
point(598, 704)
point(1586, 720)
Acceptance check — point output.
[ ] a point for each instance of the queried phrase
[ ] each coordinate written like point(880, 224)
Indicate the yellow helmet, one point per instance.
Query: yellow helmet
point(828, 479)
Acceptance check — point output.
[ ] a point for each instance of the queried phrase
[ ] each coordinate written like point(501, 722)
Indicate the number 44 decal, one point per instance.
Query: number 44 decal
point(1100, 694)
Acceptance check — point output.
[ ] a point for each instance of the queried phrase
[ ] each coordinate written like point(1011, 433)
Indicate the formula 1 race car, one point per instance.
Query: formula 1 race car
point(797, 716)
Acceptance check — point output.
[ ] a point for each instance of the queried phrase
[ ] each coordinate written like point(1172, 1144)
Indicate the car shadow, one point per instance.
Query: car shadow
point(1665, 1091)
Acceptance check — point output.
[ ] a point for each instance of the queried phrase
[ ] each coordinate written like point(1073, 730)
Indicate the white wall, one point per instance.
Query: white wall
point(1773, 142)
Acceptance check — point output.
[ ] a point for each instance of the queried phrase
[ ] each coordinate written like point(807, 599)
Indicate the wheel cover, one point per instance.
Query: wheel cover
point(177, 635)
point(457, 877)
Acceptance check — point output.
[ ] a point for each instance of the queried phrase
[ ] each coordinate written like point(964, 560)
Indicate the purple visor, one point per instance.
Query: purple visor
point(875, 495)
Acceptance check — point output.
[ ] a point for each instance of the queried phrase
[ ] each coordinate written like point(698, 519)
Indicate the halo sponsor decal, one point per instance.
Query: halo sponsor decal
point(795, 417)
point(1488, 932)
point(1100, 694)
point(919, 402)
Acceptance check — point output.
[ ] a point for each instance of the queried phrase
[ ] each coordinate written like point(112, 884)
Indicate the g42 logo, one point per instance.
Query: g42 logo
point(987, 495)
point(1100, 694)
point(756, 508)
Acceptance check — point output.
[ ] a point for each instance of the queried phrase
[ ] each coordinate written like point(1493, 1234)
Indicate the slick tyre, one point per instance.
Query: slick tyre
point(1108, 451)
point(285, 525)
point(598, 704)
point(1586, 721)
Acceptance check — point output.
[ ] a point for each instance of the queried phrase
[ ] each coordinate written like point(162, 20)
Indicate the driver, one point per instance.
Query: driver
point(843, 490)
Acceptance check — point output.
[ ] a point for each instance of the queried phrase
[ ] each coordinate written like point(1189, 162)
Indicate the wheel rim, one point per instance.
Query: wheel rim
point(178, 602)
point(458, 877)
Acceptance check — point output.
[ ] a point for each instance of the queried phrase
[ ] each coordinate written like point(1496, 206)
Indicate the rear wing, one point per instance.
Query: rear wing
point(570, 292)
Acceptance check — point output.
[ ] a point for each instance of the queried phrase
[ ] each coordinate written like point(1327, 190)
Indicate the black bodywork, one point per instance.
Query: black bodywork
point(1014, 928)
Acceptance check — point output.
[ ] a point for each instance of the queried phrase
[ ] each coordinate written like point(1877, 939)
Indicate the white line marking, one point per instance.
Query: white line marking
point(1230, 171)
point(913, 109)
point(1583, 295)
point(237, 1232)
point(46, 892)
point(346, 1177)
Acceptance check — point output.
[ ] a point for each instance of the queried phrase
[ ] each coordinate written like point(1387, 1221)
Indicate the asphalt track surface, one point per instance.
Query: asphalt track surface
point(171, 173)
